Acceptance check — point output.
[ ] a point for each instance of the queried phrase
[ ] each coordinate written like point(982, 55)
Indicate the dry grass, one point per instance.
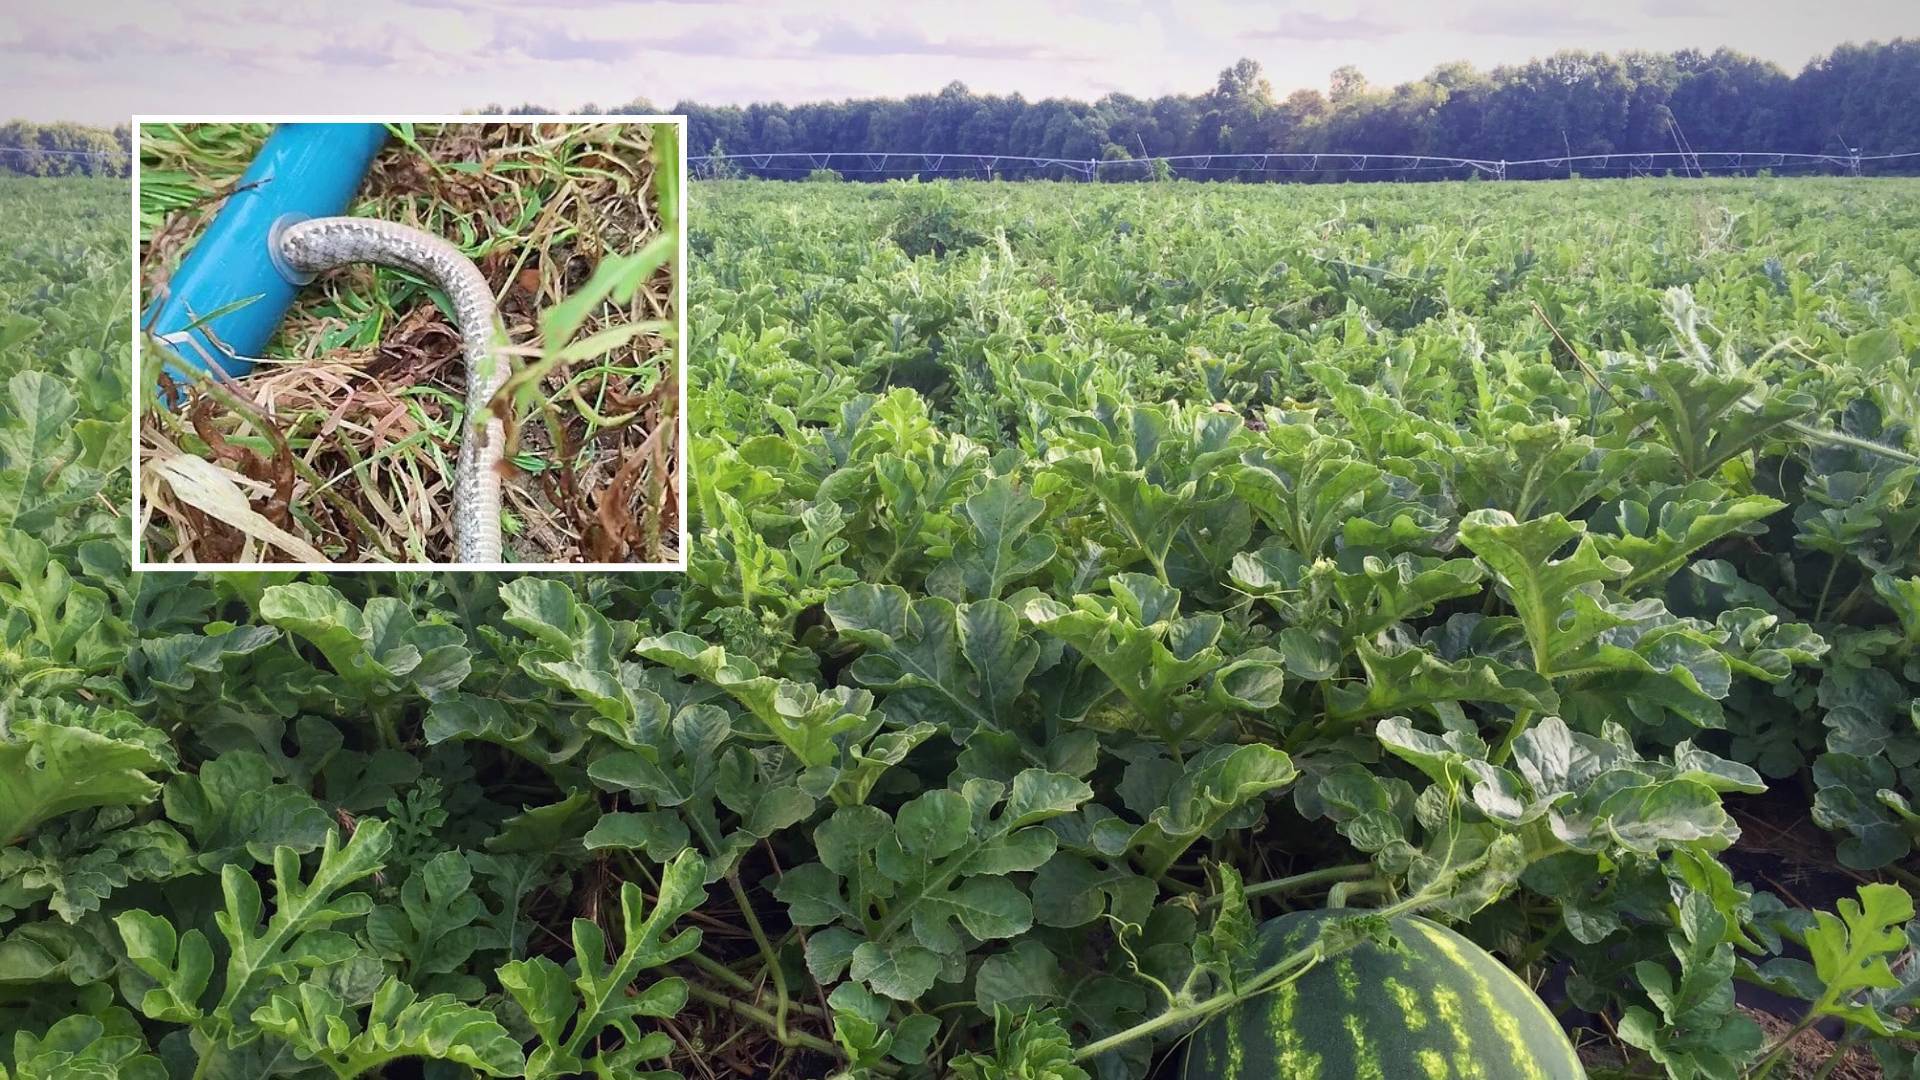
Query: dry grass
point(344, 436)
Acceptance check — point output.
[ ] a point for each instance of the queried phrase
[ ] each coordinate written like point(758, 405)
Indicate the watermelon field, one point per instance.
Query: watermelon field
point(1131, 631)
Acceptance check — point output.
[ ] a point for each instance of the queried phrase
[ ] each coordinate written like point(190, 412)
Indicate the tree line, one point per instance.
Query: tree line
point(64, 149)
point(1858, 97)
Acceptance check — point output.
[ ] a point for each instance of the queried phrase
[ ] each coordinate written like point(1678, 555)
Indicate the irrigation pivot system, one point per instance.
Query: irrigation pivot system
point(890, 164)
point(880, 165)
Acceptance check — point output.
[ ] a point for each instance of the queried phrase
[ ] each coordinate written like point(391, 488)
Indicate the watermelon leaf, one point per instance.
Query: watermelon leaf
point(1851, 949)
point(319, 1026)
point(941, 865)
point(570, 1015)
point(1693, 1028)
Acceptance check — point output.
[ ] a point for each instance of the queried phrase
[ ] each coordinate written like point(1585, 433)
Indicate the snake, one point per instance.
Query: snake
point(313, 246)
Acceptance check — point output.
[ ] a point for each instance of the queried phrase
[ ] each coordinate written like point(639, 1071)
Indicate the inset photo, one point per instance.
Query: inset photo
point(442, 342)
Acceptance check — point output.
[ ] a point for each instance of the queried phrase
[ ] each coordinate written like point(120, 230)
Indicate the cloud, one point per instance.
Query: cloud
point(1313, 26)
point(561, 45)
point(1683, 9)
point(481, 9)
point(98, 37)
point(1530, 22)
point(223, 47)
point(811, 38)
point(350, 54)
point(846, 39)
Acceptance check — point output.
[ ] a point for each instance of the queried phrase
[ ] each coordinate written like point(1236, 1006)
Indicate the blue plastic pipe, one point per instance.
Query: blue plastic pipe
point(304, 171)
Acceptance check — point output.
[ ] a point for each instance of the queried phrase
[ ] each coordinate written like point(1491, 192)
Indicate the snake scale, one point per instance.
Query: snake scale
point(320, 244)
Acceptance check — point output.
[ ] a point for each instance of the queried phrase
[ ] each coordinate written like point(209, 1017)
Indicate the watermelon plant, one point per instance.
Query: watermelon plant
point(1131, 631)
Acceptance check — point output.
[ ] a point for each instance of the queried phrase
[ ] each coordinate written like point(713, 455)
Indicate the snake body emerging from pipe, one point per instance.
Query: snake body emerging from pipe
point(319, 244)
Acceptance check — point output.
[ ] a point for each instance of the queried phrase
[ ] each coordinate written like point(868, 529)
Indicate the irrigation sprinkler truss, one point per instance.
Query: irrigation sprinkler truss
point(883, 164)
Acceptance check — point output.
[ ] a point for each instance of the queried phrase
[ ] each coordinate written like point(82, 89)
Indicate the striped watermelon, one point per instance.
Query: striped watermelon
point(1437, 1006)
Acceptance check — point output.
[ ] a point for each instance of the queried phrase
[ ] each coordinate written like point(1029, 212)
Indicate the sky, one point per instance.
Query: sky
point(98, 61)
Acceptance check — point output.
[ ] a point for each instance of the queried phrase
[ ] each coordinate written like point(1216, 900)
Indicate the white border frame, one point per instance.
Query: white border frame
point(140, 565)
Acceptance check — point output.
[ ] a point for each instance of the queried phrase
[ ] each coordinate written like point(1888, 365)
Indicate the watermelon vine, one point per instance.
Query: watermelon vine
point(1103, 628)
